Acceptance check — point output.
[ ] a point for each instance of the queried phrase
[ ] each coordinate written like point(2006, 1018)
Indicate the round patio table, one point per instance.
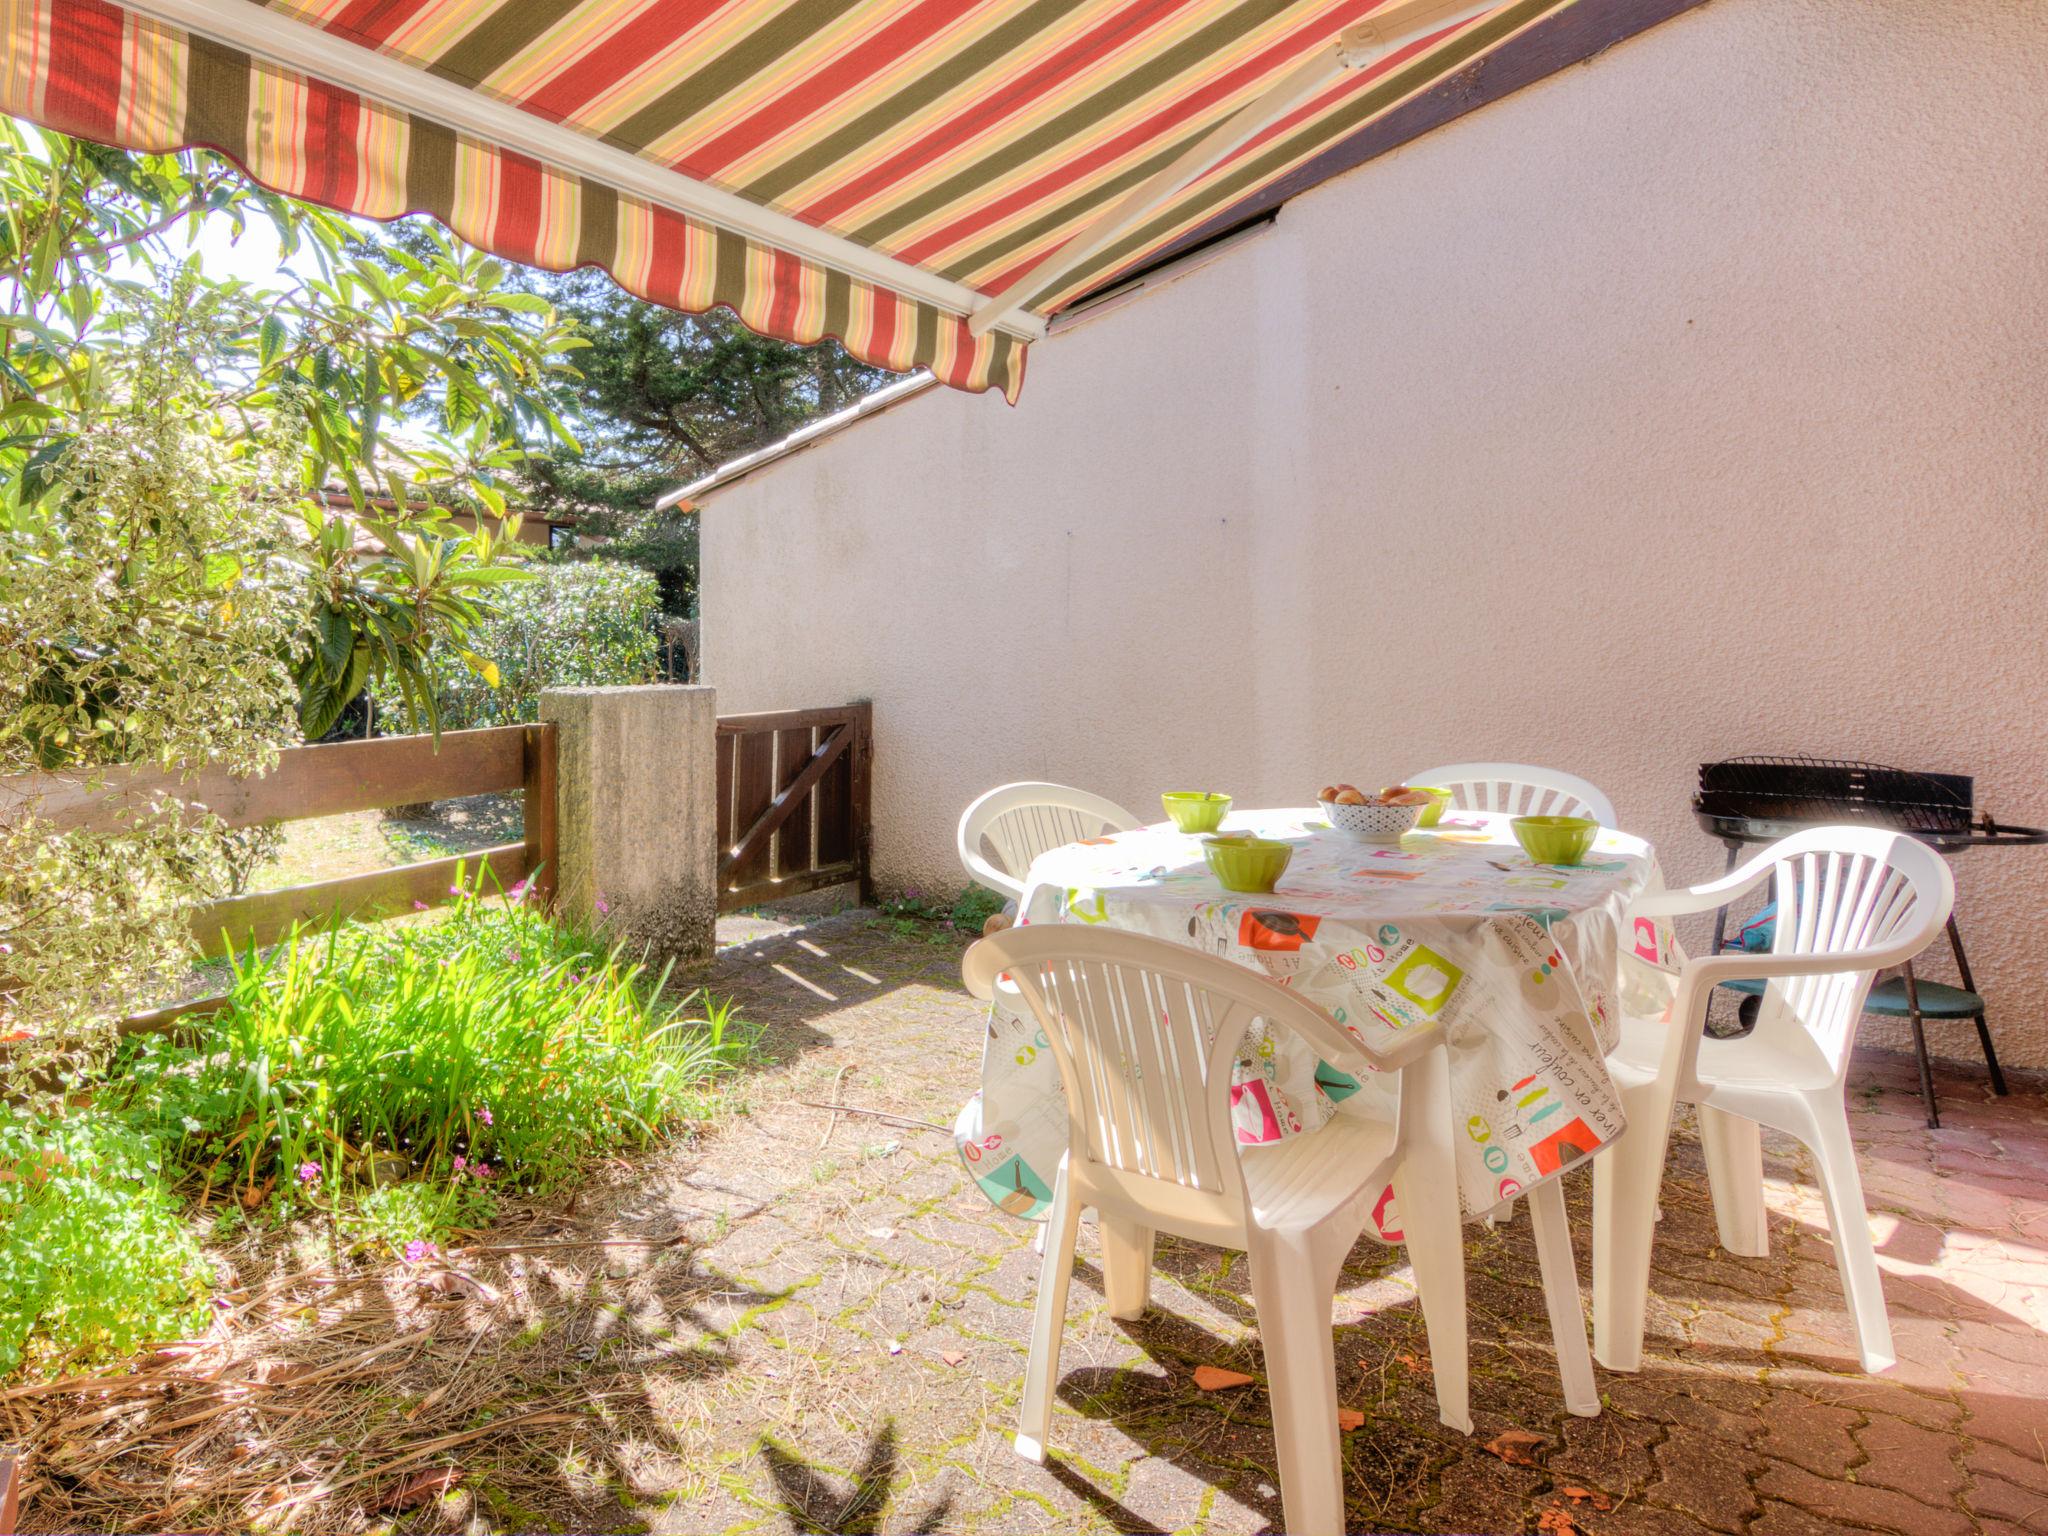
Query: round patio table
point(1525, 966)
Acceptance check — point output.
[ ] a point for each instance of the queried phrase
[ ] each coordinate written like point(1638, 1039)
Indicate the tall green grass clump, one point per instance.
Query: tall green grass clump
point(495, 1047)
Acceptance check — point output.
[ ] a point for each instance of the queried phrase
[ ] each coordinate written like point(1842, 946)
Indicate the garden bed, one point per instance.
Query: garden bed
point(370, 1095)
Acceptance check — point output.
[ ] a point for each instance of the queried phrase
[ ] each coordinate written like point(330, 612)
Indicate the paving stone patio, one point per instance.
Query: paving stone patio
point(867, 1312)
point(809, 1322)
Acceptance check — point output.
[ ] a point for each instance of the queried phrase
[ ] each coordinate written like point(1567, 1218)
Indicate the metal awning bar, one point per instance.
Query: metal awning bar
point(1392, 27)
point(322, 55)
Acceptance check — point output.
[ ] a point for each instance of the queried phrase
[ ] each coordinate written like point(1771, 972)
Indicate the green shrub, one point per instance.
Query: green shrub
point(95, 1258)
point(585, 625)
point(493, 1047)
point(965, 910)
point(408, 1220)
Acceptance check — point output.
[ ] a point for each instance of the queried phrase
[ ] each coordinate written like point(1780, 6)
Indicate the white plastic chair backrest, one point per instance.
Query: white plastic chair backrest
point(1021, 821)
point(1841, 889)
point(1519, 789)
point(1145, 1034)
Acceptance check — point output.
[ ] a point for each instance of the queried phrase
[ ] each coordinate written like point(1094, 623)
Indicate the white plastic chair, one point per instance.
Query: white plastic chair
point(1518, 789)
point(1021, 821)
point(1145, 1033)
point(1851, 901)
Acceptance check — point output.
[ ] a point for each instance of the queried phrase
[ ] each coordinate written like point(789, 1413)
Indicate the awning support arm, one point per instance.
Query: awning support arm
point(1359, 46)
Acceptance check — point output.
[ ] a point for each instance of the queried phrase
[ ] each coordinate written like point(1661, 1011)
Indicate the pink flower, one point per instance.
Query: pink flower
point(454, 890)
point(518, 892)
point(309, 1173)
point(480, 1168)
point(417, 1252)
point(603, 907)
point(419, 906)
point(484, 1114)
point(460, 1164)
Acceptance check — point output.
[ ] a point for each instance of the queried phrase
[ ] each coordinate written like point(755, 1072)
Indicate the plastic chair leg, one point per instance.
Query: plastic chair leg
point(1553, 1233)
point(1435, 1239)
point(1849, 1227)
point(1126, 1267)
point(1626, 1178)
point(1501, 1214)
point(1048, 1323)
point(1293, 1299)
point(1735, 1172)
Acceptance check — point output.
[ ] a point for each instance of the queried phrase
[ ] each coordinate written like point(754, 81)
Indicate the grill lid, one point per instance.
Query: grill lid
point(1821, 791)
point(1761, 799)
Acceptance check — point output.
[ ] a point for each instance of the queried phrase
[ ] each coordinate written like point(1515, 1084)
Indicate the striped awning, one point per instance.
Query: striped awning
point(899, 174)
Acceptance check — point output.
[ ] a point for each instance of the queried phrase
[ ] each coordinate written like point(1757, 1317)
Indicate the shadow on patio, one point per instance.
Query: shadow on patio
point(802, 1323)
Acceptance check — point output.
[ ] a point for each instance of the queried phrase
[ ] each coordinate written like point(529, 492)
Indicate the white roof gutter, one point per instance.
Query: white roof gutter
point(686, 497)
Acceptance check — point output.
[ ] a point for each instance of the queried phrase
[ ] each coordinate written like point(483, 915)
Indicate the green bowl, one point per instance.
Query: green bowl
point(1195, 810)
point(1555, 839)
point(1439, 802)
point(1247, 863)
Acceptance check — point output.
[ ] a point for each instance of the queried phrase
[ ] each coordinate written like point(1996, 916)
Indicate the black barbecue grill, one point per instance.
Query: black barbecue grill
point(1747, 800)
point(1761, 799)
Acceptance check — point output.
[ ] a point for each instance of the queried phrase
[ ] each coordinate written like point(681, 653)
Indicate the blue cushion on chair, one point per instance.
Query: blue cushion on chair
point(1759, 933)
point(1754, 937)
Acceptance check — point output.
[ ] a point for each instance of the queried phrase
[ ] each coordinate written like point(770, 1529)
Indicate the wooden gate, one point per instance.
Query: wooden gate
point(793, 795)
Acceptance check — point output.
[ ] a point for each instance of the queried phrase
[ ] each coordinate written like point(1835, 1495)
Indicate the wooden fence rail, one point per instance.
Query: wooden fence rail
point(328, 781)
point(793, 803)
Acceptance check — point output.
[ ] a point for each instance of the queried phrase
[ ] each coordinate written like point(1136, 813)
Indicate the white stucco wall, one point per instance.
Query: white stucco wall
point(1692, 402)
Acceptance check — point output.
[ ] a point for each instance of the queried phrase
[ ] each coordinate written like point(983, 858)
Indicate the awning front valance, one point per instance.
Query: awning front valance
point(873, 170)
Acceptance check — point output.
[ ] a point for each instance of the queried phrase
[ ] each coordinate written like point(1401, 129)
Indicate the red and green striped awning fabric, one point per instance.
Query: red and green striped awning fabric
point(958, 141)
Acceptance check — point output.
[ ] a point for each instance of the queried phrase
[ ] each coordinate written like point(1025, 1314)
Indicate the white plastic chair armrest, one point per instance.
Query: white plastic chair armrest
point(1742, 964)
point(1698, 978)
point(979, 968)
point(1703, 898)
point(986, 874)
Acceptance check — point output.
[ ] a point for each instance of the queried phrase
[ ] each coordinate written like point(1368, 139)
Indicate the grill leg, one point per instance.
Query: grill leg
point(1920, 1049)
point(1746, 1010)
point(1955, 944)
point(1721, 913)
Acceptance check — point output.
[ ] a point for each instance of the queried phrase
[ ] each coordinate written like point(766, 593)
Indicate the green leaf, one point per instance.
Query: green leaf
point(481, 666)
point(21, 410)
point(337, 640)
point(270, 340)
point(521, 303)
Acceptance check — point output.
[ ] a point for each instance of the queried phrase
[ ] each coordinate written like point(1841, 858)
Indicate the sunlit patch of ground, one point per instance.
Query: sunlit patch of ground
point(809, 1321)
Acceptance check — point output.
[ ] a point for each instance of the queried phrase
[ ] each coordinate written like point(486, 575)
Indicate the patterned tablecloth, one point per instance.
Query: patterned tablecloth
point(1523, 964)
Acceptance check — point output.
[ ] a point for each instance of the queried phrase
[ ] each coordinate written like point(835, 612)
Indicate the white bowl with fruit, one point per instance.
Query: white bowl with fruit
point(1373, 818)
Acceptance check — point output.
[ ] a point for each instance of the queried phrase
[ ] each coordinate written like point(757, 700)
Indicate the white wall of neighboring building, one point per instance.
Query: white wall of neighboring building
point(1691, 402)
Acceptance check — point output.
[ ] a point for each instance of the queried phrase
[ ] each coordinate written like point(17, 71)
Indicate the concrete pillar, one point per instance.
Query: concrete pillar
point(637, 775)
